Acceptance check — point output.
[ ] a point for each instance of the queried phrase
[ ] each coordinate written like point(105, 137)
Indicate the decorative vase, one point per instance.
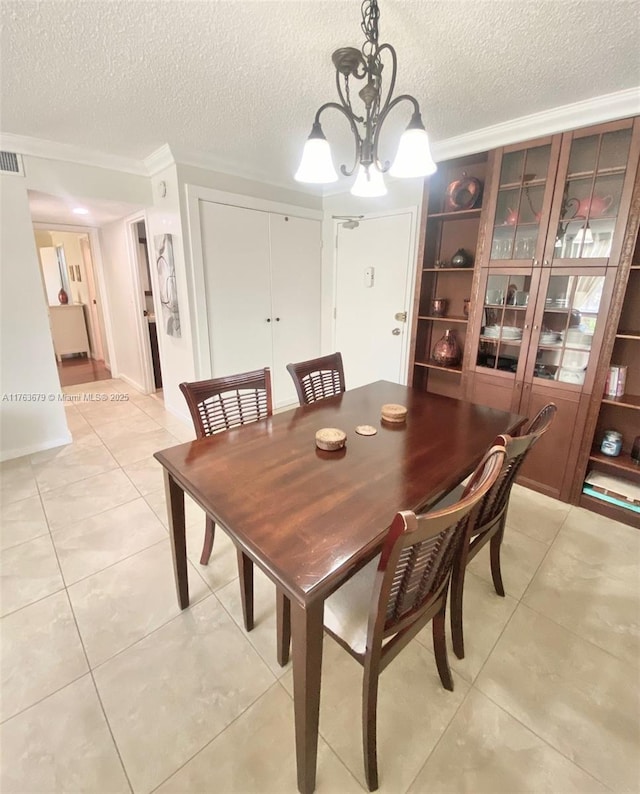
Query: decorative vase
point(63, 297)
point(461, 258)
point(439, 307)
point(446, 351)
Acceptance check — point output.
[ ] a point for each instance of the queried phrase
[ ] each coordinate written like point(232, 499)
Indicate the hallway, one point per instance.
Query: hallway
point(76, 370)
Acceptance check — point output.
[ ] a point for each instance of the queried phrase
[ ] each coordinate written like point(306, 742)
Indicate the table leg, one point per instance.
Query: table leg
point(307, 633)
point(175, 511)
point(283, 626)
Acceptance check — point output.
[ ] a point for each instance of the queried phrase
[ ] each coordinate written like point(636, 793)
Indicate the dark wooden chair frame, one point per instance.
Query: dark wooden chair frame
point(487, 523)
point(318, 378)
point(216, 405)
point(410, 589)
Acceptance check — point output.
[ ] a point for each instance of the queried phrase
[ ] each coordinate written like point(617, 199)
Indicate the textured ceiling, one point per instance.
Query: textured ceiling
point(241, 80)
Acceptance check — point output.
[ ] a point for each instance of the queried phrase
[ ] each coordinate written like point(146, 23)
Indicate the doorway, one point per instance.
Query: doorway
point(374, 273)
point(75, 313)
point(143, 267)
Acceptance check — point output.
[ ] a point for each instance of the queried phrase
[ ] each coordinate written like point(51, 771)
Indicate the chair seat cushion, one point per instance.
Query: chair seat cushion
point(346, 612)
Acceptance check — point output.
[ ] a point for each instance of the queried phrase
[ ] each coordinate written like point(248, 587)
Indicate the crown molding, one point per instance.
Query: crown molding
point(607, 107)
point(51, 150)
point(211, 162)
point(159, 160)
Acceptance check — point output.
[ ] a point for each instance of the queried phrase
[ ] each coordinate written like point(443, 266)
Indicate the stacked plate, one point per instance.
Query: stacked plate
point(575, 337)
point(511, 332)
point(558, 303)
point(505, 332)
point(549, 338)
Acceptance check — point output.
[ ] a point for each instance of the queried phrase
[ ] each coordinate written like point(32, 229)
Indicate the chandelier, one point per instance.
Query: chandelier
point(413, 158)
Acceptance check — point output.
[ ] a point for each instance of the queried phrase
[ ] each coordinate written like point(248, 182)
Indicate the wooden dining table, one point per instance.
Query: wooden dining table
point(310, 518)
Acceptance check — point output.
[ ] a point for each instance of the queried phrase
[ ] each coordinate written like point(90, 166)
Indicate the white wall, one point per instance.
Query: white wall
point(62, 178)
point(190, 175)
point(176, 353)
point(169, 215)
point(402, 194)
point(118, 272)
point(27, 357)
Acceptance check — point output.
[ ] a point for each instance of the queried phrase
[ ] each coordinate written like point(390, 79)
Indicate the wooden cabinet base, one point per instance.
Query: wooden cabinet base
point(610, 511)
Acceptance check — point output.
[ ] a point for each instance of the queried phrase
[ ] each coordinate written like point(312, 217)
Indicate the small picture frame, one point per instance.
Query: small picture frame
point(78, 274)
point(72, 274)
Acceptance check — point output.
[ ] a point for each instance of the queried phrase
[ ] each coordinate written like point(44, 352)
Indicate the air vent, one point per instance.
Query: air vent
point(11, 163)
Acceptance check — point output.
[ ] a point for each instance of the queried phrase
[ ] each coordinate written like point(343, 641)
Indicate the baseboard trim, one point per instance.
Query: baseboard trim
point(31, 449)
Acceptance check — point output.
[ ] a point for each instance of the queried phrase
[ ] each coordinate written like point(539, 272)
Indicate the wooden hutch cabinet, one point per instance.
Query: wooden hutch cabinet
point(547, 246)
point(621, 347)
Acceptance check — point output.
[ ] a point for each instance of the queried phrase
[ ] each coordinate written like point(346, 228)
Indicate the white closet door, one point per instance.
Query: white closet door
point(235, 244)
point(295, 286)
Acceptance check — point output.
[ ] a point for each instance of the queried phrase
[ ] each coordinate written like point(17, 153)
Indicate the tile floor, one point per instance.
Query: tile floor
point(108, 687)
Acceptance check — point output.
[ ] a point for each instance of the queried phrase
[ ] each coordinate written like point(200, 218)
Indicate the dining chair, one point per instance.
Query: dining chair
point(487, 523)
point(318, 378)
point(382, 607)
point(217, 405)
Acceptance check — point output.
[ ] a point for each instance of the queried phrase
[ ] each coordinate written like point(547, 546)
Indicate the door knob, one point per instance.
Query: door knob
point(396, 332)
point(268, 319)
point(277, 319)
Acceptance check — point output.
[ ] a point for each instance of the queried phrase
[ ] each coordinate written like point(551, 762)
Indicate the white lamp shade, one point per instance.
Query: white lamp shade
point(414, 155)
point(316, 165)
point(369, 184)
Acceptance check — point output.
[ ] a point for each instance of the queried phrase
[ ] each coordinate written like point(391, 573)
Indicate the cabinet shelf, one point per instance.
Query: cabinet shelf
point(448, 270)
point(434, 365)
point(631, 401)
point(618, 169)
point(443, 319)
point(628, 335)
point(455, 215)
point(618, 463)
point(530, 183)
point(508, 306)
point(503, 342)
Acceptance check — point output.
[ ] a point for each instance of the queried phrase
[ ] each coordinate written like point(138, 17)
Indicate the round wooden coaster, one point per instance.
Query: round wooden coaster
point(366, 430)
point(391, 412)
point(330, 438)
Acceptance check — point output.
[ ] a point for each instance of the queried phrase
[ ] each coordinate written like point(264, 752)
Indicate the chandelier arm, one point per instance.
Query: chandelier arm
point(394, 69)
point(383, 115)
point(351, 119)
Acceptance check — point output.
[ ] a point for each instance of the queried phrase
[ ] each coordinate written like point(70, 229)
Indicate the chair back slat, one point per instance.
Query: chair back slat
point(222, 403)
point(318, 378)
point(418, 554)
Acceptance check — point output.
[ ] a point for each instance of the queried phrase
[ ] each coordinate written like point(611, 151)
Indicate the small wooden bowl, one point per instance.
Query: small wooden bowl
point(330, 439)
point(391, 412)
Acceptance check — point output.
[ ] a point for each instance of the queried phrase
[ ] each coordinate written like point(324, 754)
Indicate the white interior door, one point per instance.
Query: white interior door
point(295, 288)
point(373, 269)
point(235, 248)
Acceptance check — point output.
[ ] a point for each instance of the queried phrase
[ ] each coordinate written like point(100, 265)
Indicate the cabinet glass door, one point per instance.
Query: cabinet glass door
point(591, 197)
point(521, 213)
point(506, 305)
point(569, 323)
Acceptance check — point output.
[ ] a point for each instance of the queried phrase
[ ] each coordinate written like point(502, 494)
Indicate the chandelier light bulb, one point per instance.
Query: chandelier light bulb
point(414, 155)
point(316, 165)
point(369, 183)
